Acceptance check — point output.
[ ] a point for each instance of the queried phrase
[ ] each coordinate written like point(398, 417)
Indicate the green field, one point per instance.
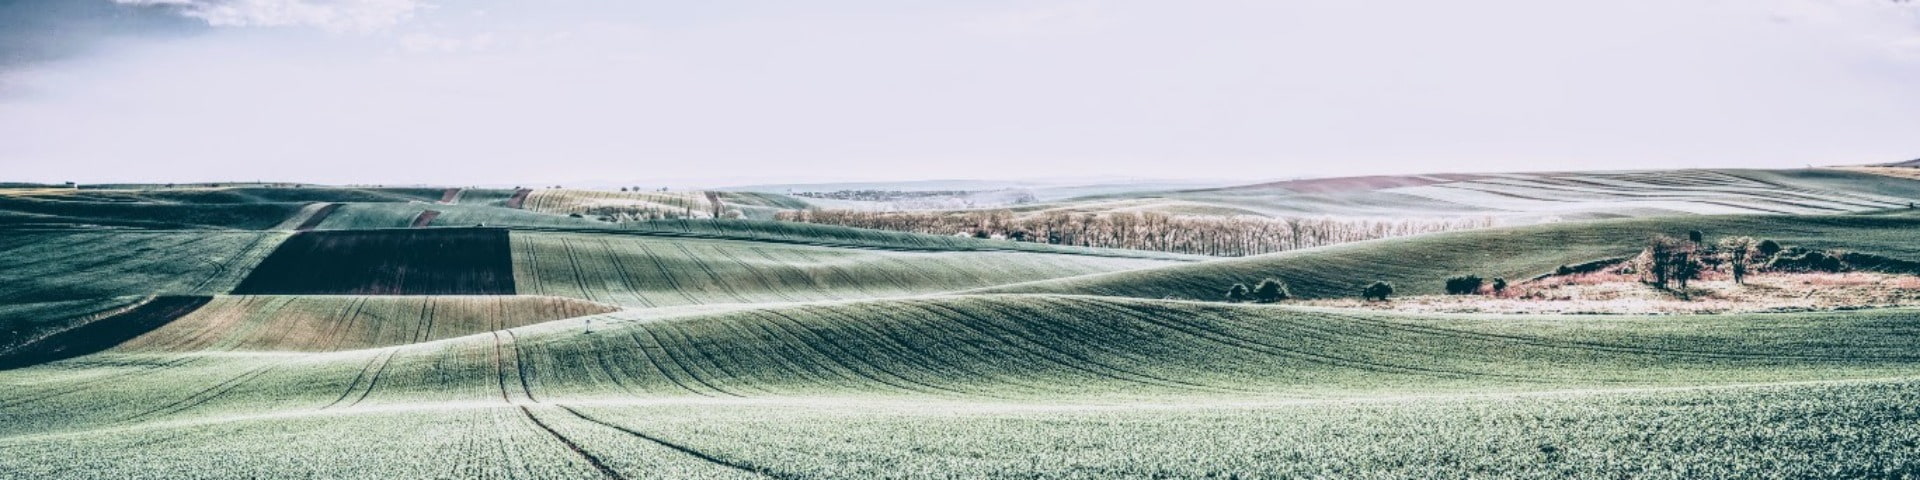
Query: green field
point(1419, 265)
point(1535, 197)
point(741, 348)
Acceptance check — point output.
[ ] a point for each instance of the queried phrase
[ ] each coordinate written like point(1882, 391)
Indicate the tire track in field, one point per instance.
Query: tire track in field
point(675, 359)
point(620, 268)
point(375, 382)
point(999, 373)
point(1075, 362)
point(573, 263)
point(666, 273)
point(600, 357)
point(500, 367)
point(520, 366)
point(1090, 338)
point(950, 316)
point(798, 364)
point(888, 342)
point(715, 278)
point(712, 364)
point(208, 394)
point(815, 343)
point(768, 287)
point(85, 385)
point(605, 471)
point(735, 465)
point(642, 348)
point(351, 386)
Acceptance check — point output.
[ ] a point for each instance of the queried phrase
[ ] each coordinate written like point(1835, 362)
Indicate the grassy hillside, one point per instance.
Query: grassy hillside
point(353, 216)
point(1529, 197)
point(1419, 265)
point(752, 349)
point(76, 264)
point(1022, 385)
point(987, 348)
point(639, 270)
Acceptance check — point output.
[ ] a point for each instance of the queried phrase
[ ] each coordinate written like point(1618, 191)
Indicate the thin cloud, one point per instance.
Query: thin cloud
point(338, 15)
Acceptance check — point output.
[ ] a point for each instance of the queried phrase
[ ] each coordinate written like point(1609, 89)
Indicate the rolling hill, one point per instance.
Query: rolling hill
point(1419, 265)
point(717, 393)
point(276, 332)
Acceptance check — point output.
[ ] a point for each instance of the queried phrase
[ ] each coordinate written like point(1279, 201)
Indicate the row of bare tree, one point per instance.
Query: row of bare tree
point(1217, 236)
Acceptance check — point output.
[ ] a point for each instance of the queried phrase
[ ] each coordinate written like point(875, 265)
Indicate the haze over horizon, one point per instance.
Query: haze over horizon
point(719, 93)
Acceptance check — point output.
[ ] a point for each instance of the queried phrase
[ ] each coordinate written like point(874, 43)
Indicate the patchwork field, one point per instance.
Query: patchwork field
point(319, 332)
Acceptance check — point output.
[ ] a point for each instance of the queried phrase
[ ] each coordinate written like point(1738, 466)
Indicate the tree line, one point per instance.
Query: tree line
point(1216, 236)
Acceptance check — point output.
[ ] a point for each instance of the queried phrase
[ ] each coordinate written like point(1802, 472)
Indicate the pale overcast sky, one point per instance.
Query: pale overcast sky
point(490, 91)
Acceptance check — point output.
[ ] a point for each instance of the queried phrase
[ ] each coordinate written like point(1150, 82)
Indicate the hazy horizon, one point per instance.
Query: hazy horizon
point(738, 93)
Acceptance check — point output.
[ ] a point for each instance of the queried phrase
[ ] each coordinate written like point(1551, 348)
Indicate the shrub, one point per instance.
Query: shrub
point(1811, 261)
point(1670, 259)
point(1270, 290)
point(1768, 248)
point(1563, 270)
point(1237, 294)
point(1464, 284)
point(1378, 290)
point(1499, 284)
point(1696, 236)
point(1738, 252)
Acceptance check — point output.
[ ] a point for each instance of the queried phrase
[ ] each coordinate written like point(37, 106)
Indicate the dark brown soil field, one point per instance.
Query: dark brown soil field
point(102, 334)
point(438, 261)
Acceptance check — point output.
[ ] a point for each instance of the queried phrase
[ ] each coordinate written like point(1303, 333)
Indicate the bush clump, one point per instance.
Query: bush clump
point(1808, 261)
point(1377, 291)
point(1464, 284)
point(1237, 293)
point(1271, 290)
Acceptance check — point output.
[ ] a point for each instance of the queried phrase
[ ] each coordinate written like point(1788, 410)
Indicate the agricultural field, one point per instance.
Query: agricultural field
point(273, 331)
point(1556, 196)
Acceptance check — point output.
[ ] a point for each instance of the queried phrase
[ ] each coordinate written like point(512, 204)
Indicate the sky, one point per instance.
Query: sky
point(718, 92)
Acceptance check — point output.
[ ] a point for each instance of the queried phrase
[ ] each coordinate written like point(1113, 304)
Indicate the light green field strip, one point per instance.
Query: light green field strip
point(352, 216)
point(69, 264)
point(1852, 429)
point(1419, 265)
point(1013, 349)
point(1692, 191)
point(646, 271)
point(330, 323)
point(1015, 386)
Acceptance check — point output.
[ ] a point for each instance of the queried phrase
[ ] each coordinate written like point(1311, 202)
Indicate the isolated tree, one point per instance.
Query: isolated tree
point(1270, 290)
point(1237, 294)
point(623, 189)
point(1696, 236)
point(1377, 291)
point(1738, 253)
